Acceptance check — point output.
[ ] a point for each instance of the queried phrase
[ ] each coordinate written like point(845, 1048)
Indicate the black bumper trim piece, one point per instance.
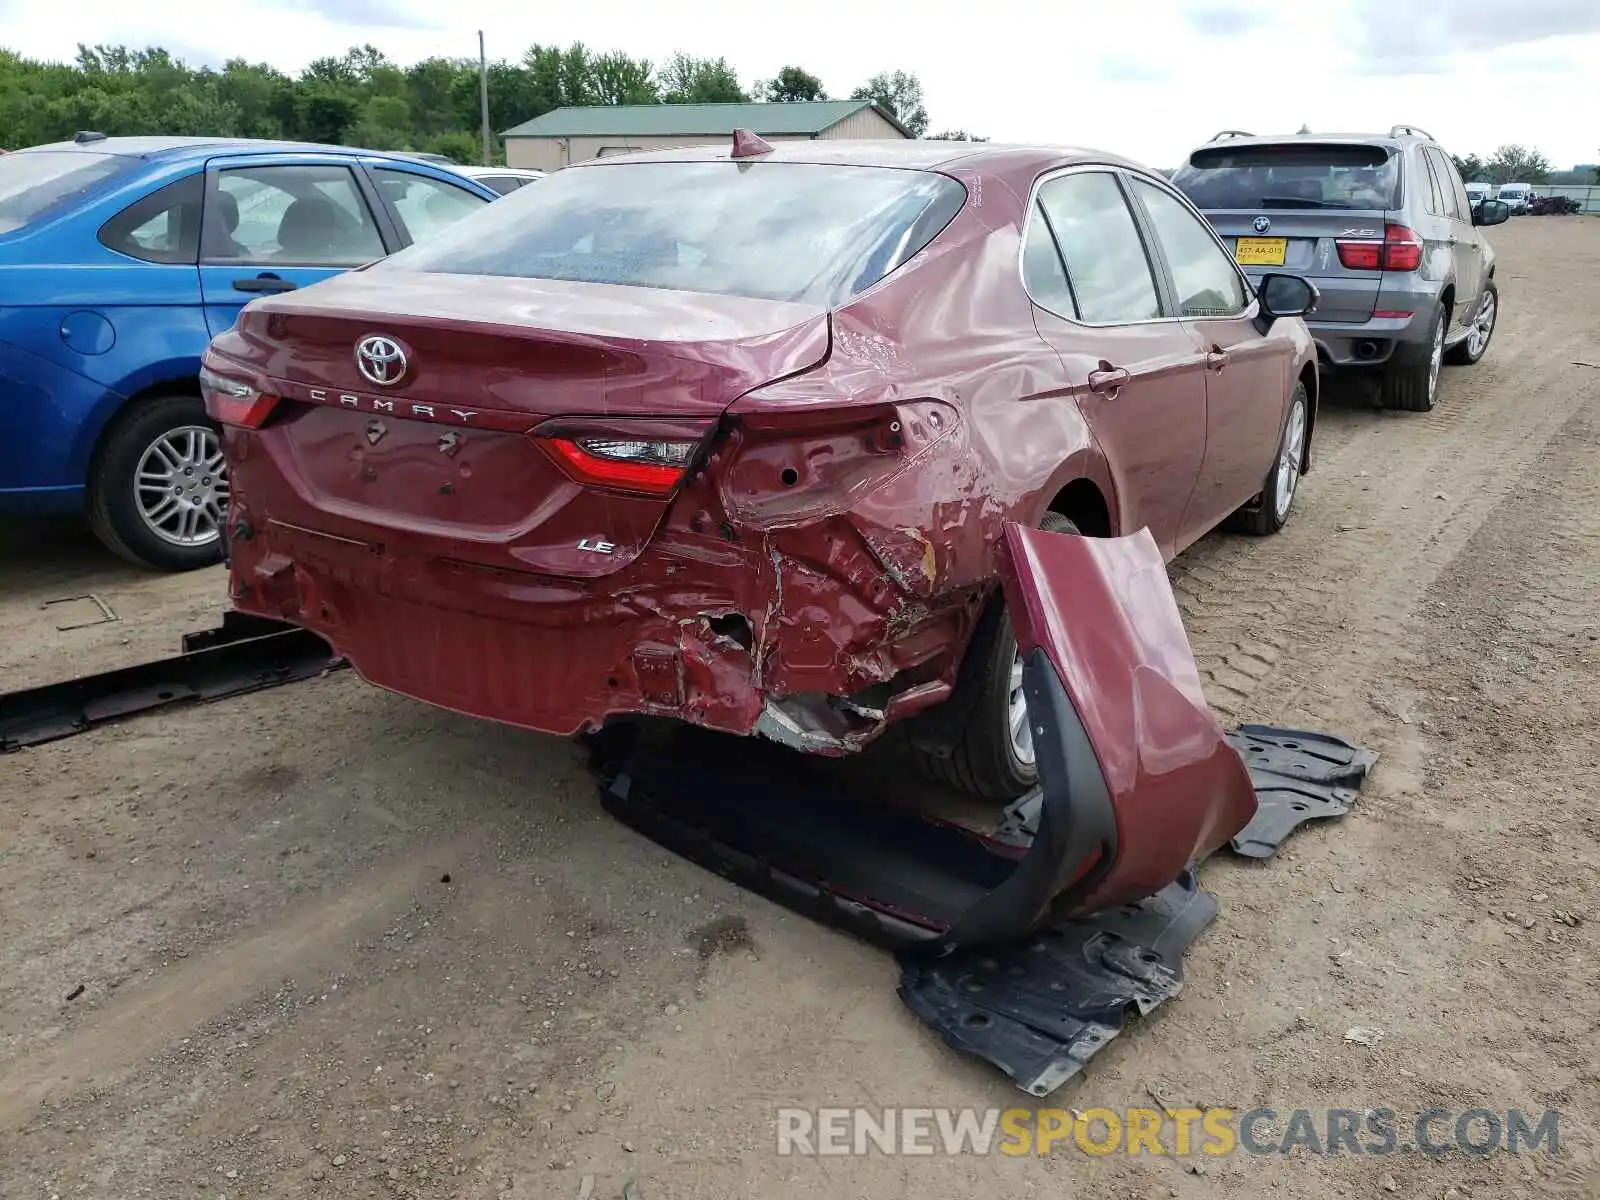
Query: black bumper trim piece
point(244, 655)
point(812, 839)
point(1298, 776)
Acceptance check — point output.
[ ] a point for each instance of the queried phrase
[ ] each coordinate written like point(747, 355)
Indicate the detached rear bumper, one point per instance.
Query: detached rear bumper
point(799, 625)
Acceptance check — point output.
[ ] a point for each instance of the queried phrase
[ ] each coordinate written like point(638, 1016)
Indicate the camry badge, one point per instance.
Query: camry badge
point(1262, 224)
point(375, 432)
point(380, 360)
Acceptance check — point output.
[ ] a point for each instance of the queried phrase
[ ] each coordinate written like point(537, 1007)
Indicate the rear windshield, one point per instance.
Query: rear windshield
point(1291, 176)
point(33, 182)
point(800, 232)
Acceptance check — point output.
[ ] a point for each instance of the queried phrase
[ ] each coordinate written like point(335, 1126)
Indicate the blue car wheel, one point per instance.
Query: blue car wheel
point(158, 490)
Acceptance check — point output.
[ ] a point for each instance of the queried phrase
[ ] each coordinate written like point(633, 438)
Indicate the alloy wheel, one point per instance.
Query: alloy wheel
point(1021, 731)
point(1290, 456)
point(1435, 359)
point(1482, 326)
point(181, 486)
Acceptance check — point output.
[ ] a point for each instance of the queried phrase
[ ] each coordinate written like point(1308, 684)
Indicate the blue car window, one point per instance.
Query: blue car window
point(163, 227)
point(300, 214)
point(32, 182)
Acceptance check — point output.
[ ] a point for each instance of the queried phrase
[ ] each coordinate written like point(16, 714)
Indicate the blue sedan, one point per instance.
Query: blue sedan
point(120, 258)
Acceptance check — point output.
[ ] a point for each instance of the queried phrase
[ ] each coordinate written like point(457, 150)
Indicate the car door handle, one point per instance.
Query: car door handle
point(265, 282)
point(1216, 359)
point(1108, 380)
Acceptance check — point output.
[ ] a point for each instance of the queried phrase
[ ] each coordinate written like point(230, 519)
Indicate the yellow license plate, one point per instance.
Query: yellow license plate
point(1260, 252)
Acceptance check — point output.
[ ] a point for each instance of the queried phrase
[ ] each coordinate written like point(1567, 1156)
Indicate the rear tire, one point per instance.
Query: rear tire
point(1473, 347)
point(1416, 389)
point(126, 514)
point(986, 761)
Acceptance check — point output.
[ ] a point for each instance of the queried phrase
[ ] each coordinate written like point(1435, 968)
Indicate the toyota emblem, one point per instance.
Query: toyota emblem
point(380, 360)
point(1262, 225)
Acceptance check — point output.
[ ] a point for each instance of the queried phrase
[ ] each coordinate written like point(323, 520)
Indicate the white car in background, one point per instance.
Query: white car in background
point(1477, 193)
point(501, 179)
point(1515, 195)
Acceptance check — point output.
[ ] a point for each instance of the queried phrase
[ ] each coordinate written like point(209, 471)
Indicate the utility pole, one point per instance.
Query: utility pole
point(483, 99)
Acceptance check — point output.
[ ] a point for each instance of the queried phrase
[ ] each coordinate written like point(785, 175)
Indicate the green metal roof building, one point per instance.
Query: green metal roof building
point(568, 135)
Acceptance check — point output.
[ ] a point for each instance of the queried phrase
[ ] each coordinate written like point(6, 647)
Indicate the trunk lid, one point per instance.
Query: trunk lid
point(1308, 241)
point(435, 440)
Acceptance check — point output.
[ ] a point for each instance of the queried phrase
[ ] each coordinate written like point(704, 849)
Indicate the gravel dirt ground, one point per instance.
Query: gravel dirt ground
point(326, 941)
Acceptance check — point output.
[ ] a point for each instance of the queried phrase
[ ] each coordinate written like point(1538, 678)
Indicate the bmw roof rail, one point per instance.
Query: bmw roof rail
point(1231, 133)
point(1417, 130)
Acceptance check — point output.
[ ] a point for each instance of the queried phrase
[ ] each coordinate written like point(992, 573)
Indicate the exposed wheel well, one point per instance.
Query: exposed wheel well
point(1081, 503)
point(1447, 301)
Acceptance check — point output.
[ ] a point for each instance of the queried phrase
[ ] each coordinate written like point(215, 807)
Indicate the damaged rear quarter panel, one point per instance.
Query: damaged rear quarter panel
point(880, 481)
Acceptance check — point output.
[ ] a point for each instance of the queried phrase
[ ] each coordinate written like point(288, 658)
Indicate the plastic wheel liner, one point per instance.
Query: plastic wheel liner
point(1030, 945)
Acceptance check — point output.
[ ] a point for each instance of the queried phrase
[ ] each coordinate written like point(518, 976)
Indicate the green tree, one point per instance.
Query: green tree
point(900, 94)
point(1471, 167)
point(1518, 164)
point(789, 85)
point(685, 79)
point(955, 135)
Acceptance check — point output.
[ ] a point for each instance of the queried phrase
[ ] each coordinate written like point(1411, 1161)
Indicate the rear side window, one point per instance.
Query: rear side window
point(33, 182)
point(501, 183)
point(1207, 282)
point(425, 206)
point(1288, 176)
point(164, 227)
point(799, 232)
point(1043, 273)
point(1100, 244)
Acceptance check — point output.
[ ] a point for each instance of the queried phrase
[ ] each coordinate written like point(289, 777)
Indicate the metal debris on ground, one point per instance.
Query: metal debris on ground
point(102, 614)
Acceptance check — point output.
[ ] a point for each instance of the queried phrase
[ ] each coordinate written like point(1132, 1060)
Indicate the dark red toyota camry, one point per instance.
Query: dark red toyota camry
point(730, 435)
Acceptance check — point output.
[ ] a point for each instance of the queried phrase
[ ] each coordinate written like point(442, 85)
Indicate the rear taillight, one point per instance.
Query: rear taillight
point(1400, 250)
point(235, 402)
point(626, 464)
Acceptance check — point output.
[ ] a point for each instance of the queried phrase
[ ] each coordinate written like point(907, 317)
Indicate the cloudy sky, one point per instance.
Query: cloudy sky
point(1148, 78)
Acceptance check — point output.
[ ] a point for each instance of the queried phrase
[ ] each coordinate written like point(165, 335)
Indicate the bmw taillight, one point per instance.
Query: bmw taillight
point(233, 401)
point(1400, 250)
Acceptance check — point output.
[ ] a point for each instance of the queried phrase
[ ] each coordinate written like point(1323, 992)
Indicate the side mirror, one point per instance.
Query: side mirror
point(1287, 296)
point(1491, 212)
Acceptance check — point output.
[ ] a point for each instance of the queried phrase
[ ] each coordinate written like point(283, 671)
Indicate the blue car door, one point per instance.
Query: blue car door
point(276, 222)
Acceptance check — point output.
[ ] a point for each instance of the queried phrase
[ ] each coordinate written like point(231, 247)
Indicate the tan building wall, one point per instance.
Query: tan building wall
point(551, 154)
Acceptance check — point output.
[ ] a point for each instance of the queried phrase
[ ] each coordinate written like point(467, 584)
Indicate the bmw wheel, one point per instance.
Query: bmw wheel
point(1472, 347)
point(1416, 388)
point(158, 490)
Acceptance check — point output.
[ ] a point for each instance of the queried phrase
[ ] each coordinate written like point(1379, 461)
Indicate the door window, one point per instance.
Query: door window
point(1455, 192)
point(1100, 244)
point(424, 205)
point(302, 215)
point(1434, 199)
point(163, 227)
point(1204, 277)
